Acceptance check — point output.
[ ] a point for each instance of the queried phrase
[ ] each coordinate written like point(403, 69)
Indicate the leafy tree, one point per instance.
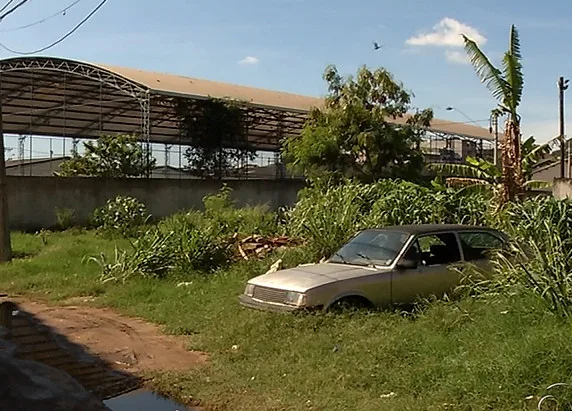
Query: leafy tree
point(506, 87)
point(355, 133)
point(477, 173)
point(118, 156)
point(217, 130)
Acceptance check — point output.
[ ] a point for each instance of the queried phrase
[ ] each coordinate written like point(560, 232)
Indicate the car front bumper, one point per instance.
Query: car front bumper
point(250, 302)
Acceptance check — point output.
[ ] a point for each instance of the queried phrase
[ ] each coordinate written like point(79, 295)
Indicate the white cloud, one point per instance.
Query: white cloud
point(447, 33)
point(456, 57)
point(249, 60)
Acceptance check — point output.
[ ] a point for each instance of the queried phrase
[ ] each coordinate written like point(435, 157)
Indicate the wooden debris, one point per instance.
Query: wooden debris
point(257, 246)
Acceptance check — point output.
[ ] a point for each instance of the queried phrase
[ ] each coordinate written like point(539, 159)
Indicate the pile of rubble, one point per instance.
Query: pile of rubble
point(257, 246)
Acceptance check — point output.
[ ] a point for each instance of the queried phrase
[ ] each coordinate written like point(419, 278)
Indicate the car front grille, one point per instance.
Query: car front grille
point(270, 295)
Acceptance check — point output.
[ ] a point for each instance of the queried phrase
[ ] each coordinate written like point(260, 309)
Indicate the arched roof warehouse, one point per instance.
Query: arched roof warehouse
point(48, 96)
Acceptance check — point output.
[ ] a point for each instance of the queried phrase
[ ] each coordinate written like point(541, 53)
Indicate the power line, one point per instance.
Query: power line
point(62, 11)
point(49, 46)
point(13, 9)
point(6, 6)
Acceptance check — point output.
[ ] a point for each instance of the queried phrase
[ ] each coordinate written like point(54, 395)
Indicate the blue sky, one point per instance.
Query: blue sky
point(286, 44)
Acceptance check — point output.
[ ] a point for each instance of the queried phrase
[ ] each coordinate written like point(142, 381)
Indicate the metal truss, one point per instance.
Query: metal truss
point(88, 71)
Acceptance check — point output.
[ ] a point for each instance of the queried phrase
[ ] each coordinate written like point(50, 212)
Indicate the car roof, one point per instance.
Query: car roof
point(415, 229)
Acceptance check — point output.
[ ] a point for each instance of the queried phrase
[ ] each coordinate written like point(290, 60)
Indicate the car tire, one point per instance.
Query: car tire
point(352, 303)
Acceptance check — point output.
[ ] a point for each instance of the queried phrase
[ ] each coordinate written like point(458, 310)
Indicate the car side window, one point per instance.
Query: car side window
point(476, 245)
point(438, 249)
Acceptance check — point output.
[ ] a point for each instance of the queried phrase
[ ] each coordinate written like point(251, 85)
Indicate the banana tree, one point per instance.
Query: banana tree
point(506, 87)
point(477, 173)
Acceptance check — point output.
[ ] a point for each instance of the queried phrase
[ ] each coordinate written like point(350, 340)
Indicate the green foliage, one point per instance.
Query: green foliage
point(65, 218)
point(187, 242)
point(158, 252)
point(328, 215)
point(151, 257)
point(539, 259)
point(220, 210)
point(355, 135)
point(114, 156)
point(199, 249)
point(478, 173)
point(543, 265)
point(506, 86)
point(121, 216)
point(217, 132)
point(471, 354)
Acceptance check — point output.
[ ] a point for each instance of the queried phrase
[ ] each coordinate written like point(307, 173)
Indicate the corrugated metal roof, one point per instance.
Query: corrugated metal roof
point(172, 84)
point(49, 96)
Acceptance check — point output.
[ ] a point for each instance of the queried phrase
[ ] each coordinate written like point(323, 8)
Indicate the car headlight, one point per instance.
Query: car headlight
point(249, 290)
point(295, 298)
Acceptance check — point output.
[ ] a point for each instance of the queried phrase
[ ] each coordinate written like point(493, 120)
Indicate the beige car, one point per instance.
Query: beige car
point(377, 268)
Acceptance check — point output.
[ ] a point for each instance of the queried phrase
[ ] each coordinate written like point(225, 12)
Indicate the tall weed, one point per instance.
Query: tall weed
point(220, 210)
point(539, 258)
point(328, 216)
point(151, 256)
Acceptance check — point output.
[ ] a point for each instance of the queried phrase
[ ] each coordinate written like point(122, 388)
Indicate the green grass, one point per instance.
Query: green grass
point(469, 355)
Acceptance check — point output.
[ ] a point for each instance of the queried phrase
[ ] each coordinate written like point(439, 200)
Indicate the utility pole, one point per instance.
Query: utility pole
point(167, 158)
point(5, 247)
point(21, 141)
point(562, 86)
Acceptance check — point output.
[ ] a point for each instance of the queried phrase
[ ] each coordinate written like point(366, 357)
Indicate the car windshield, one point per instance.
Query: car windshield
point(371, 247)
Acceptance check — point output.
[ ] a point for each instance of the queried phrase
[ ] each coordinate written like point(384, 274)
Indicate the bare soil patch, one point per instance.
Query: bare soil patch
point(129, 344)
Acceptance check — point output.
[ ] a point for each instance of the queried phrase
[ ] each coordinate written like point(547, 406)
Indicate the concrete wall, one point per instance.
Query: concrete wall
point(32, 201)
point(562, 188)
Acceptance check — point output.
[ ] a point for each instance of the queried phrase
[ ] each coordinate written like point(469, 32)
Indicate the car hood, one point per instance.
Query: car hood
point(304, 277)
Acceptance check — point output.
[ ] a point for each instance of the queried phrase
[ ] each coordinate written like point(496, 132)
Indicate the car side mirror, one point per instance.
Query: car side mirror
point(407, 264)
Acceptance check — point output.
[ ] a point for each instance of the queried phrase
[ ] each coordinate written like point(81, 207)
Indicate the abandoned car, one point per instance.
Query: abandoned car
point(377, 268)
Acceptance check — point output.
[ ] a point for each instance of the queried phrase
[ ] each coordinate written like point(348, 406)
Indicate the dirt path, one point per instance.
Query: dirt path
point(127, 343)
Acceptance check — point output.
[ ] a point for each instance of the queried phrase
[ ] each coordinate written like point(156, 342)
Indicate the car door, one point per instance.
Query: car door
point(477, 246)
point(433, 275)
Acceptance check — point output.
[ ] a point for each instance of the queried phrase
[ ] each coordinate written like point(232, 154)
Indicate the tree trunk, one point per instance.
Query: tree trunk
point(511, 166)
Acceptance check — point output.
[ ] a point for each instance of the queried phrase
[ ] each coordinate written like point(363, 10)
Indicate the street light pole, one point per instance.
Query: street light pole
point(451, 108)
point(494, 126)
point(562, 86)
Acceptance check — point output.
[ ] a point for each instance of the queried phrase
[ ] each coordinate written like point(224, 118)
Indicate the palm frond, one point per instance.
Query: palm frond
point(537, 184)
point(536, 152)
point(461, 171)
point(486, 166)
point(546, 163)
point(470, 185)
point(512, 70)
point(489, 75)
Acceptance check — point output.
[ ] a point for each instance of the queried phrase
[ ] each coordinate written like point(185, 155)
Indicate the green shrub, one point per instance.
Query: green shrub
point(201, 249)
point(221, 210)
point(122, 215)
point(65, 218)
